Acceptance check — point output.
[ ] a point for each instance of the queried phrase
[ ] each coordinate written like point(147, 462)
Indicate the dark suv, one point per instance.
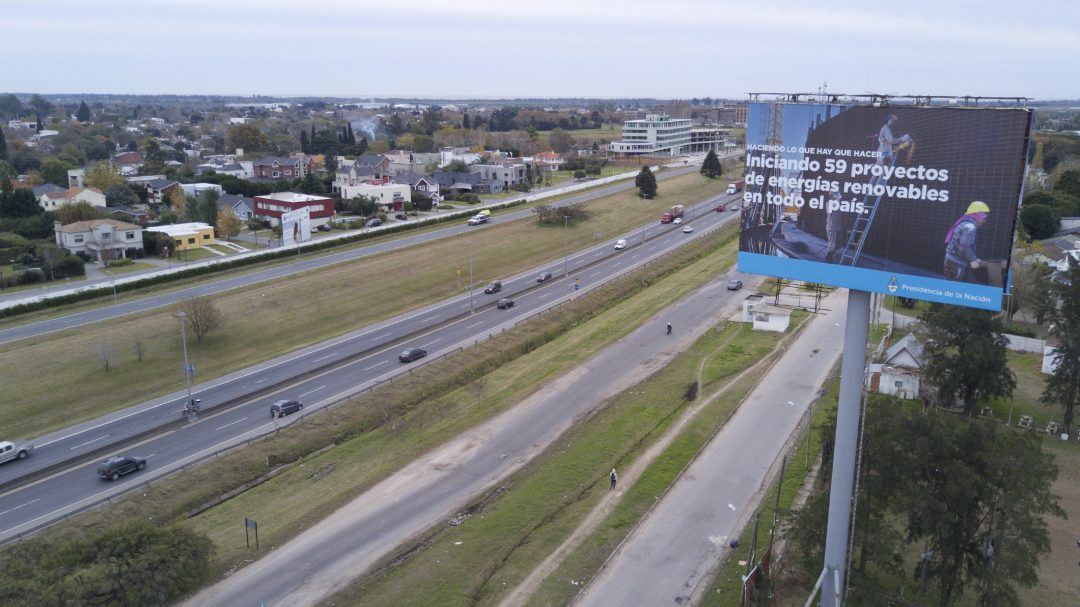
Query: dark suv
point(285, 407)
point(410, 354)
point(494, 287)
point(112, 468)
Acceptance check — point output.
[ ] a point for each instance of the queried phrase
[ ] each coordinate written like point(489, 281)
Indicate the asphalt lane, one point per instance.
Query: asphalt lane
point(667, 557)
point(330, 372)
point(324, 558)
point(109, 312)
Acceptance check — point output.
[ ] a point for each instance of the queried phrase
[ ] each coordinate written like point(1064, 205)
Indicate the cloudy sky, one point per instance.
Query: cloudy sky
point(542, 48)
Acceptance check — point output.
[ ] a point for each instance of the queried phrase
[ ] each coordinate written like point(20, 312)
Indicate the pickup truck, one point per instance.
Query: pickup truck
point(9, 450)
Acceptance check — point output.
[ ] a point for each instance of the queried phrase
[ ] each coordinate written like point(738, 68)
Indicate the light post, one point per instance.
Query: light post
point(187, 366)
point(566, 255)
point(470, 279)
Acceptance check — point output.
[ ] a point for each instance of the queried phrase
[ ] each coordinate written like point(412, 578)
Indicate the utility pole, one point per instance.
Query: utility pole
point(187, 366)
point(566, 255)
point(470, 278)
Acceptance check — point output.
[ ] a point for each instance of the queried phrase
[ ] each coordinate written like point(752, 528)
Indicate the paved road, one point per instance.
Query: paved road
point(326, 557)
point(318, 375)
point(210, 287)
point(671, 552)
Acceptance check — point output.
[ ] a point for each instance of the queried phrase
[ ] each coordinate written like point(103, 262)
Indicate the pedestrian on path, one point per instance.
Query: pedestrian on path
point(614, 478)
point(669, 328)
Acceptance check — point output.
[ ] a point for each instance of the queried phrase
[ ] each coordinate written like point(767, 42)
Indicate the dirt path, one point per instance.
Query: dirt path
point(626, 477)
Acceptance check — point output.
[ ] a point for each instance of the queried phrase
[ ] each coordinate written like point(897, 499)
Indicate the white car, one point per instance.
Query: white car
point(688, 229)
point(620, 244)
point(677, 221)
point(9, 450)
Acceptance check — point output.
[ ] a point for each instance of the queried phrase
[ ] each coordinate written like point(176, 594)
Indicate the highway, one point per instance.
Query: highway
point(319, 375)
point(210, 287)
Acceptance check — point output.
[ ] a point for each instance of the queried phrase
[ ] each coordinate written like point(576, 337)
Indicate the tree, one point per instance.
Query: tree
point(10, 107)
point(55, 172)
point(561, 141)
point(304, 142)
point(41, 106)
point(83, 114)
point(645, 182)
point(19, 203)
point(1063, 386)
point(3, 146)
point(120, 196)
point(247, 137)
point(465, 121)
point(103, 352)
point(1068, 183)
point(457, 166)
point(711, 166)
point(50, 256)
point(228, 224)
point(202, 316)
point(207, 207)
point(153, 158)
point(102, 175)
point(76, 211)
point(1039, 221)
point(966, 355)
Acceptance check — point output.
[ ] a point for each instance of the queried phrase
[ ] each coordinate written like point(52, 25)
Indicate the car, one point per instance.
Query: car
point(677, 220)
point(543, 277)
point(324, 228)
point(401, 216)
point(688, 229)
point(505, 303)
point(721, 207)
point(112, 468)
point(477, 220)
point(410, 354)
point(620, 244)
point(373, 223)
point(734, 285)
point(10, 451)
point(284, 407)
point(494, 287)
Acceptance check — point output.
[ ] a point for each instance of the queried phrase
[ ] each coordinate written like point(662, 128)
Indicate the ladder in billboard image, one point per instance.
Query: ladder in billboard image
point(857, 237)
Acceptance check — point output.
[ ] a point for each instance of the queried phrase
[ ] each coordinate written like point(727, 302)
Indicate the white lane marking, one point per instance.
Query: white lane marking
point(149, 456)
point(543, 295)
point(259, 381)
point(311, 391)
point(231, 423)
point(430, 343)
point(616, 265)
point(375, 365)
point(88, 442)
point(430, 318)
point(475, 324)
point(19, 506)
point(324, 357)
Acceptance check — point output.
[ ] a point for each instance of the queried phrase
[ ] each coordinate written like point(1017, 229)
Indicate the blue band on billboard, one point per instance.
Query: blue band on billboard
point(874, 281)
point(916, 201)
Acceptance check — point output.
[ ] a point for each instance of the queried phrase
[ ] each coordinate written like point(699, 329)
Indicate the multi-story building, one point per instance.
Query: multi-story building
point(274, 168)
point(390, 196)
point(273, 206)
point(508, 172)
point(656, 134)
point(104, 239)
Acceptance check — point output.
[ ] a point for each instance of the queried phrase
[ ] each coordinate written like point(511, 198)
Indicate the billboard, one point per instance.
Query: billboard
point(913, 201)
point(295, 227)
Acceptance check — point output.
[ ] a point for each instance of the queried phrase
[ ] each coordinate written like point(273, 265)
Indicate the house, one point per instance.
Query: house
point(763, 316)
point(352, 175)
point(244, 169)
point(186, 236)
point(380, 165)
point(509, 172)
point(549, 161)
point(901, 372)
point(160, 191)
point(273, 168)
point(50, 201)
point(198, 189)
point(418, 183)
point(464, 183)
point(404, 161)
point(102, 239)
point(45, 188)
point(272, 206)
point(387, 194)
point(130, 215)
point(242, 206)
point(128, 159)
point(448, 155)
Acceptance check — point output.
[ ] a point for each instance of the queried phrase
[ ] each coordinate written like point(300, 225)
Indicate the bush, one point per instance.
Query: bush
point(30, 277)
point(70, 265)
point(1021, 330)
point(120, 263)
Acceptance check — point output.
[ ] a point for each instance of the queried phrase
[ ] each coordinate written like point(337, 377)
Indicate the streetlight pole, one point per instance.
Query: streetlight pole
point(470, 278)
point(183, 339)
point(566, 255)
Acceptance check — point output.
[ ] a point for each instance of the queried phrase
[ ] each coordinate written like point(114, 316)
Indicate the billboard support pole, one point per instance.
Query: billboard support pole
point(846, 441)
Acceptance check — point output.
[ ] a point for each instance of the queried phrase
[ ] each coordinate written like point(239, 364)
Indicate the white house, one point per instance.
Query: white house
point(448, 155)
point(103, 239)
point(388, 195)
point(51, 201)
point(196, 190)
point(900, 374)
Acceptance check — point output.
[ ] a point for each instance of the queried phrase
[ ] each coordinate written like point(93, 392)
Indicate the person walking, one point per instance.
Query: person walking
point(960, 257)
point(614, 478)
point(669, 328)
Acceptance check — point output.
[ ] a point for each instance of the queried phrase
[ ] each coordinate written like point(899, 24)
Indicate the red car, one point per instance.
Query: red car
point(721, 208)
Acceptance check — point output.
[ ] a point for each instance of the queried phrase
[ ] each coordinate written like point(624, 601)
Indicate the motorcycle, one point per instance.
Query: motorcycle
point(192, 407)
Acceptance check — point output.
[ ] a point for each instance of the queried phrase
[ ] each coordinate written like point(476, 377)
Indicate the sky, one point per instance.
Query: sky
point(546, 48)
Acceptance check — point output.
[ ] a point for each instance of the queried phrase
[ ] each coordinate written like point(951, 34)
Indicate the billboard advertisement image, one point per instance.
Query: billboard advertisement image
point(295, 227)
point(913, 201)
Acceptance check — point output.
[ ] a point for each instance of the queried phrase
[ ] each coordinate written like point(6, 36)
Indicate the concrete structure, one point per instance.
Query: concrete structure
point(272, 206)
point(508, 172)
point(900, 374)
point(387, 194)
point(656, 134)
point(103, 239)
point(187, 235)
point(448, 155)
point(76, 178)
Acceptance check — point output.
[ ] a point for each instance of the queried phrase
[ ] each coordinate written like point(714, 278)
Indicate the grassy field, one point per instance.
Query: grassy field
point(135, 267)
point(259, 321)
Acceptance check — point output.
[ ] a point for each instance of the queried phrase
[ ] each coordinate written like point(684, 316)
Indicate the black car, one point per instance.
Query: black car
point(734, 285)
point(112, 468)
point(505, 303)
point(401, 216)
point(323, 228)
point(373, 223)
point(494, 287)
point(285, 407)
point(410, 354)
point(544, 276)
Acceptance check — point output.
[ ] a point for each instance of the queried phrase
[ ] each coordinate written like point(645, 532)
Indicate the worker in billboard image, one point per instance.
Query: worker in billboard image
point(834, 228)
point(960, 257)
point(887, 143)
point(296, 232)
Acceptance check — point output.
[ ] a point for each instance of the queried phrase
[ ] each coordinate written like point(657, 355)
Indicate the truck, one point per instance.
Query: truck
point(675, 212)
point(735, 187)
point(10, 451)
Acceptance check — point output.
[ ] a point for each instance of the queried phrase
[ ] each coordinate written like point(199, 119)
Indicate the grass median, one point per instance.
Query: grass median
point(143, 351)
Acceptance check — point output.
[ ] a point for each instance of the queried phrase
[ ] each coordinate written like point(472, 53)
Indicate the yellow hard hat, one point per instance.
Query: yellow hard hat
point(977, 207)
